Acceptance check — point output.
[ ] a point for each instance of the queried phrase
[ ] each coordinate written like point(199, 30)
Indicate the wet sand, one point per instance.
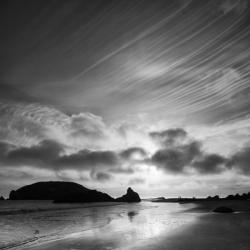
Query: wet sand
point(200, 229)
point(210, 232)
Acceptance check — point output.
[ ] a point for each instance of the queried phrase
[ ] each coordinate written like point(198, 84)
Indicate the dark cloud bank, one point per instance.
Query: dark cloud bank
point(178, 153)
point(50, 154)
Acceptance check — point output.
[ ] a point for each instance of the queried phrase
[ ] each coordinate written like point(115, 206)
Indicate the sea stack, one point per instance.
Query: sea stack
point(130, 196)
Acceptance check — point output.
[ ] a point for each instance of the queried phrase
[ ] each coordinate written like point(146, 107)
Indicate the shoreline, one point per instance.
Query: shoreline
point(203, 229)
point(209, 206)
point(58, 207)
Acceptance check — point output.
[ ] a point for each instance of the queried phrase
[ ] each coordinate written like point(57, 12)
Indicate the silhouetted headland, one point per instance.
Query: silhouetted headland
point(130, 196)
point(67, 192)
point(50, 190)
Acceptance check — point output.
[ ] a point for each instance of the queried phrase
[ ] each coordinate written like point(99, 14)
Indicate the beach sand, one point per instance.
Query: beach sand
point(199, 229)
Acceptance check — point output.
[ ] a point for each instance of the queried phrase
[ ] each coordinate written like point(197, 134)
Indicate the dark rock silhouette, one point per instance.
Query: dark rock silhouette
point(130, 196)
point(2, 198)
point(89, 196)
point(223, 210)
point(58, 191)
point(213, 198)
point(244, 196)
point(67, 192)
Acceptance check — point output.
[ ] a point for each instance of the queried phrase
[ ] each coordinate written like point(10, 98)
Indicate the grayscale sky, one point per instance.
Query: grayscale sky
point(149, 94)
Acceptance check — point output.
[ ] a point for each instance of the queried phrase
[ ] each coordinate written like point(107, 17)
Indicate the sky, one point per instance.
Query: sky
point(109, 94)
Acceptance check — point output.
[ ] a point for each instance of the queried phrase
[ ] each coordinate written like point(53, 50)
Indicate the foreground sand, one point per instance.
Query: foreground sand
point(209, 231)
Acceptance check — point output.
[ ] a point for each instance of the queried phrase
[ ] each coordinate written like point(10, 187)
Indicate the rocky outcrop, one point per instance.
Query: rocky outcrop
point(223, 210)
point(89, 196)
point(67, 192)
point(130, 196)
point(244, 196)
point(58, 191)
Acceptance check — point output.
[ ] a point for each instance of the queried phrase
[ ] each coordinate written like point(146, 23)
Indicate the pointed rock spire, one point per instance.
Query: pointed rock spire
point(130, 196)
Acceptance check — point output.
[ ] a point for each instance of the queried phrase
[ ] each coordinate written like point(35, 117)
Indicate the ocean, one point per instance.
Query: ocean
point(24, 224)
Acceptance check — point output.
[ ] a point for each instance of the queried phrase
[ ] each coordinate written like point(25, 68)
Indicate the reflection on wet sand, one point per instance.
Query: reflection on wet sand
point(125, 226)
point(145, 225)
point(149, 226)
point(131, 215)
